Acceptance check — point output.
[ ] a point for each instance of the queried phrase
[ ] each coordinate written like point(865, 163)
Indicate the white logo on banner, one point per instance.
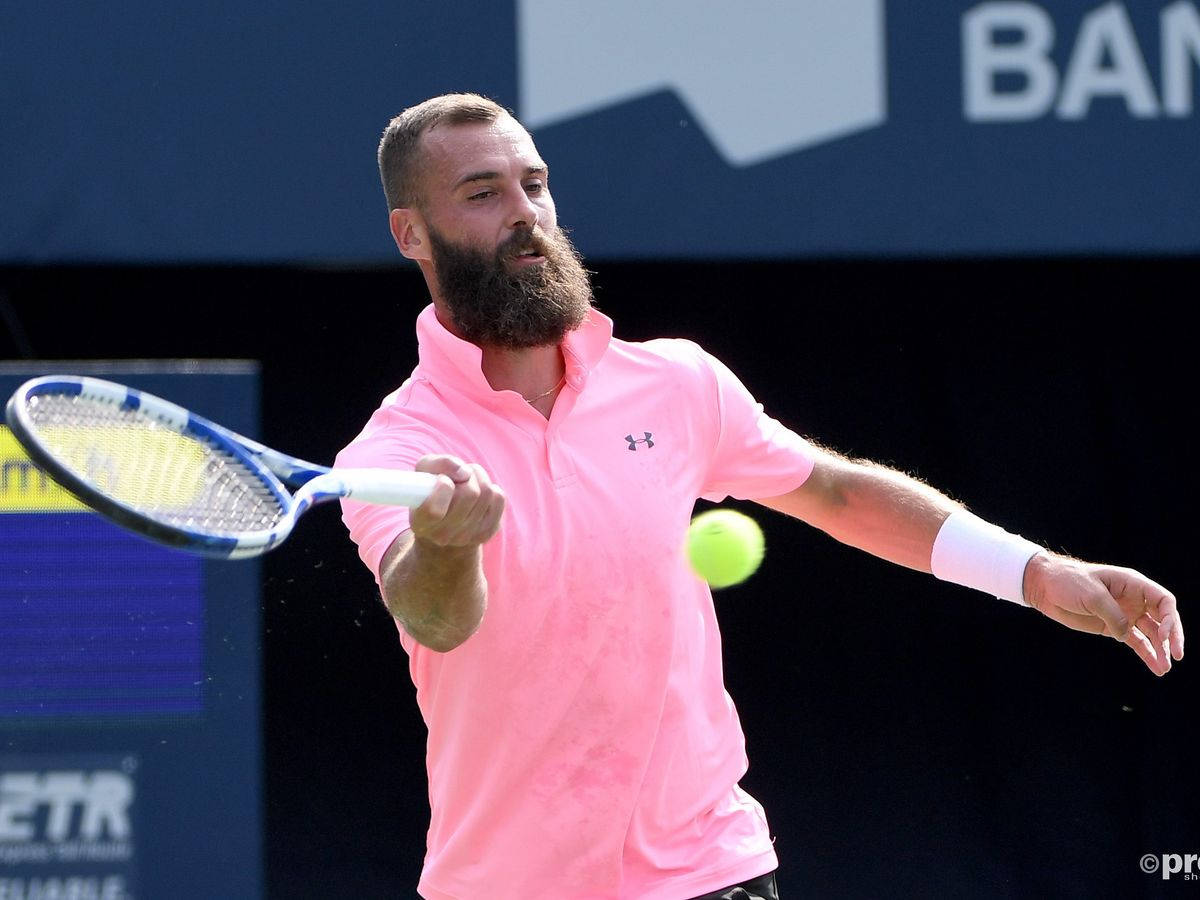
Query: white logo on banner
point(65, 816)
point(1015, 40)
point(762, 79)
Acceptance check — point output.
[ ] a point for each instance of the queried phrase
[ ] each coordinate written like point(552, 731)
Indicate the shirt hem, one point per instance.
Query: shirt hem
point(697, 885)
point(754, 867)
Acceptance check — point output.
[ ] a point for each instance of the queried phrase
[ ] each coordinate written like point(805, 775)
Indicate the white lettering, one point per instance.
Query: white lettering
point(1009, 73)
point(1107, 34)
point(111, 887)
point(77, 805)
point(107, 807)
point(18, 802)
point(61, 792)
point(1180, 30)
point(984, 57)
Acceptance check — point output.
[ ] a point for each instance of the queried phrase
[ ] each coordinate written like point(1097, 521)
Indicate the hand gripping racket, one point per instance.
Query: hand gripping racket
point(177, 478)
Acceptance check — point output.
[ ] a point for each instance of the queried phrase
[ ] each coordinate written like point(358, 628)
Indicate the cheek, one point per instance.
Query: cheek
point(549, 218)
point(471, 230)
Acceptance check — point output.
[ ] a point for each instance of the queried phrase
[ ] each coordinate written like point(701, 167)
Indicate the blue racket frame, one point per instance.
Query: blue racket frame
point(317, 483)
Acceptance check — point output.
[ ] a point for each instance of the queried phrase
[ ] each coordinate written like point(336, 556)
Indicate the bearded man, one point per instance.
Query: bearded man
point(566, 661)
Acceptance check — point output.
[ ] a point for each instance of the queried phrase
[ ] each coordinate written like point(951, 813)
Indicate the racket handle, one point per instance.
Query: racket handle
point(390, 487)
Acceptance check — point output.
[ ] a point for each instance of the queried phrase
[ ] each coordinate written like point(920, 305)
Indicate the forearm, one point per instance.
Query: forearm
point(898, 518)
point(439, 594)
point(884, 512)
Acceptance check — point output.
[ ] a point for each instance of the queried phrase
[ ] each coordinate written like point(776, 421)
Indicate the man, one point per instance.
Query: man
point(567, 663)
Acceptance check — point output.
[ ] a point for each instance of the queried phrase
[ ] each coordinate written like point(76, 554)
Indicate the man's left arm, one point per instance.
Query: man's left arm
point(896, 517)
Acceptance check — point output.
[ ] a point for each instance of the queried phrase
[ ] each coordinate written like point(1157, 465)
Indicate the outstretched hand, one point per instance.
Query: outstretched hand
point(1121, 603)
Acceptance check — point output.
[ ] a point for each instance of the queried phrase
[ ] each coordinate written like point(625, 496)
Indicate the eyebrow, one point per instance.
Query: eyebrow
point(487, 176)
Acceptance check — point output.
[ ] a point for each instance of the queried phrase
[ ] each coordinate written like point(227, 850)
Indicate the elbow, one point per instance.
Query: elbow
point(442, 641)
point(437, 646)
point(438, 633)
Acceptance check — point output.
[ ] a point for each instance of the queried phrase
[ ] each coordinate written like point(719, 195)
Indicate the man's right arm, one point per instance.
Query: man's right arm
point(432, 575)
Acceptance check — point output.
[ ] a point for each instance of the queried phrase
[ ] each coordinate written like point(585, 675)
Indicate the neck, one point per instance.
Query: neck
point(529, 372)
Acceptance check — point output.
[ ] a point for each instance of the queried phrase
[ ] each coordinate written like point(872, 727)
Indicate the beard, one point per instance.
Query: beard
point(497, 306)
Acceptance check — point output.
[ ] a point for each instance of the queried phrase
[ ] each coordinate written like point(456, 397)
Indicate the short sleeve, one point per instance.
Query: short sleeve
point(755, 456)
point(389, 443)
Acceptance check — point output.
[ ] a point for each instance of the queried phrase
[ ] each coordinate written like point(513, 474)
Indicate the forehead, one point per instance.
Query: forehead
point(453, 152)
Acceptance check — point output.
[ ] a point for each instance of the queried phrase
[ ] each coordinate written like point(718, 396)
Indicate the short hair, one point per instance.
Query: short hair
point(399, 149)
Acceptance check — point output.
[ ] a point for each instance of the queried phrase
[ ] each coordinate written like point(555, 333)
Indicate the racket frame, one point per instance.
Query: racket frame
point(316, 483)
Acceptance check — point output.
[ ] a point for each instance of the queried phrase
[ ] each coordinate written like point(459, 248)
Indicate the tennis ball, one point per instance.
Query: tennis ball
point(724, 546)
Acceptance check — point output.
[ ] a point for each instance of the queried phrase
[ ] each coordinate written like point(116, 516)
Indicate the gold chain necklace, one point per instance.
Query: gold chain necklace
point(559, 384)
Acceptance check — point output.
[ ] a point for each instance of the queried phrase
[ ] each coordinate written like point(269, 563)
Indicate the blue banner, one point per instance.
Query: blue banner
point(130, 727)
point(681, 129)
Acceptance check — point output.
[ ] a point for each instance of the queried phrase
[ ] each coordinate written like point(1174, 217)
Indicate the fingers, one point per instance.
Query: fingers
point(1163, 624)
point(1155, 659)
point(464, 508)
point(1152, 654)
point(1153, 607)
point(1170, 626)
point(1170, 632)
point(1121, 603)
point(441, 464)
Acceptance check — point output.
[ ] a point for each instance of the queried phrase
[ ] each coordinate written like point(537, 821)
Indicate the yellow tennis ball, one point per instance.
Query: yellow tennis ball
point(724, 546)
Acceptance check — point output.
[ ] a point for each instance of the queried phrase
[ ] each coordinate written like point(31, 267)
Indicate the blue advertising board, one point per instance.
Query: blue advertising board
point(130, 747)
point(681, 129)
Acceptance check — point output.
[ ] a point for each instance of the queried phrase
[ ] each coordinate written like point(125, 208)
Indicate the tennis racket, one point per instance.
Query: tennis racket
point(175, 477)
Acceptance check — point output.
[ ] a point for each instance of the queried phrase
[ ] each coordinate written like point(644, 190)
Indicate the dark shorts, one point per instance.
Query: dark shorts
point(761, 888)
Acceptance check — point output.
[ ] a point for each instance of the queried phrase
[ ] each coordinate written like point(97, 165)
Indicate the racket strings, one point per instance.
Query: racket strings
point(178, 479)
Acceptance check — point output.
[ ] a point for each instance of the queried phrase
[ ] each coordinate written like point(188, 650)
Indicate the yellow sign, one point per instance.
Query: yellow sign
point(26, 488)
point(141, 465)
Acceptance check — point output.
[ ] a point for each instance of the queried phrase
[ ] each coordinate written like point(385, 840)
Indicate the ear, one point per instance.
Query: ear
point(408, 231)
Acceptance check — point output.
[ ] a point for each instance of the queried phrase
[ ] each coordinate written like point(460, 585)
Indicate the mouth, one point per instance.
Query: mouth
point(528, 257)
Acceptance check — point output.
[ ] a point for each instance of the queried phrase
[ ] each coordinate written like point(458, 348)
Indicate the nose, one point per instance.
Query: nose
point(524, 213)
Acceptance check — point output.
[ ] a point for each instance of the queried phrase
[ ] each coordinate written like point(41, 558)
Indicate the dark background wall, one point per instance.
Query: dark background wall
point(907, 737)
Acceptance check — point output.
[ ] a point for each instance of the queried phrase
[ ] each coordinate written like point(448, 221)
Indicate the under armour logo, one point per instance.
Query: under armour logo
point(633, 442)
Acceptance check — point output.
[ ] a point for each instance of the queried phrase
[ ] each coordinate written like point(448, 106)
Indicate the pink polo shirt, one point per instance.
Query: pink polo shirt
point(581, 742)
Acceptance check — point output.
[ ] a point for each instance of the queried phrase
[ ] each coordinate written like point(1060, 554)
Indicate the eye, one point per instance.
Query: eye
point(481, 195)
point(535, 187)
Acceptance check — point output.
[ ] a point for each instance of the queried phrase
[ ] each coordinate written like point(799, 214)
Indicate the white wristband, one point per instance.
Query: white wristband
point(976, 554)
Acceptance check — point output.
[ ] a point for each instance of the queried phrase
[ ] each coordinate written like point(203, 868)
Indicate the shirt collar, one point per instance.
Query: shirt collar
point(449, 360)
